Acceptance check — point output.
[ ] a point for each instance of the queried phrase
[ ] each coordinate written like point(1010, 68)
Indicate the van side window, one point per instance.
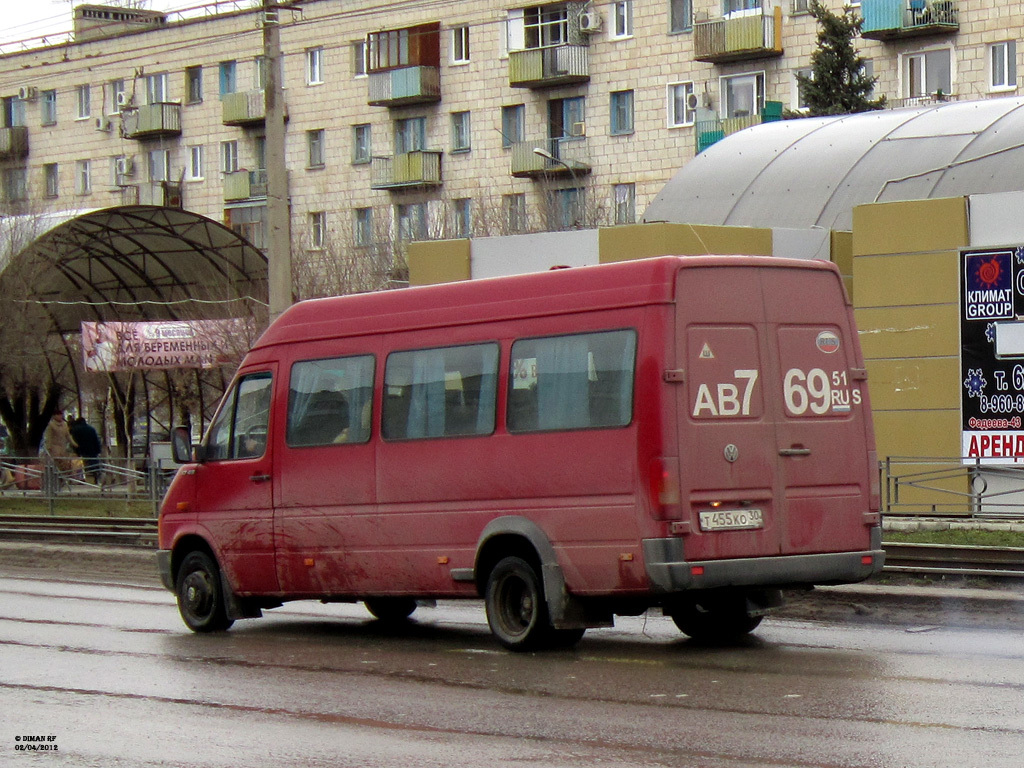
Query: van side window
point(572, 382)
point(240, 429)
point(330, 401)
point(440, 392)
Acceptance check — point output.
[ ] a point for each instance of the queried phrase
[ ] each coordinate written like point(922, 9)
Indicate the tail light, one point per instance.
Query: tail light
point(664, 488)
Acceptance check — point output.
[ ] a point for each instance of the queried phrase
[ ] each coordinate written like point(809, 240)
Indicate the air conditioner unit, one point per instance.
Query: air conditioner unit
point(578, 129)
point(123, 99)
point(103, 124)
point(591, 22)
point(692, 102)
point(28, 93)
point(125, 166)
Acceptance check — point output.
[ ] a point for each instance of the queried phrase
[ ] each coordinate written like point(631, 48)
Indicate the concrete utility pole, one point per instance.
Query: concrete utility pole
point(279, 238)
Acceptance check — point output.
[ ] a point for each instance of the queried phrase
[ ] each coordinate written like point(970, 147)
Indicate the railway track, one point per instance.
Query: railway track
point(920, 559)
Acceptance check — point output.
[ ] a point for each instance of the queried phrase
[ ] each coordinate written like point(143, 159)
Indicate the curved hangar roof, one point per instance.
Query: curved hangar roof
point(812, 172)
point(130, 263)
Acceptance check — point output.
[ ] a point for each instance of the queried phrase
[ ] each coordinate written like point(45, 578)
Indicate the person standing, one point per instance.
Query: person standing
point(87, 445)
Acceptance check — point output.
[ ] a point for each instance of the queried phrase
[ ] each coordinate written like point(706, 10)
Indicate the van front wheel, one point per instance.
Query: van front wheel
point(201, 595)
point(516, 611)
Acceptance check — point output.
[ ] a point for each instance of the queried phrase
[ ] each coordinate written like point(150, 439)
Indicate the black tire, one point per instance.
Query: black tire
point(517, 612)
point(200, 594)
point(720, 619)
point(391, 609)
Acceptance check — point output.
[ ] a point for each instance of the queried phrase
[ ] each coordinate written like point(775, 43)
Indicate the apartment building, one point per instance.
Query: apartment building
point(417, 119)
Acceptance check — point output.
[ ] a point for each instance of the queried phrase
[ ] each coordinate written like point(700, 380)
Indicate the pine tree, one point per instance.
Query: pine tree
point(838, 84)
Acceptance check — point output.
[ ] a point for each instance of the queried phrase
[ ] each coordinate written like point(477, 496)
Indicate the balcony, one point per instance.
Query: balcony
point(403, 86)
point(549, 66)
point(571, 158)
point(739, 38)
point(245, 108)
point(419, 168)
point(710, 131)
point(898, 19)
point(245, 185)
point(152, 121)
point(162, 193)
point(14, 142)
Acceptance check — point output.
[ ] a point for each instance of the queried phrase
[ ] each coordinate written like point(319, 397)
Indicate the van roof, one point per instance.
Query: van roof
point(623, 284)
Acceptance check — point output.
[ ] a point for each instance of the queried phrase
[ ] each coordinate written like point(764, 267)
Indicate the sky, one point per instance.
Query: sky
point(33, 18)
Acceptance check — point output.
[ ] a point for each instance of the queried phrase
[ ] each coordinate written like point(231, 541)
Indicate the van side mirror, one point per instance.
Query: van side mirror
point(181, 445)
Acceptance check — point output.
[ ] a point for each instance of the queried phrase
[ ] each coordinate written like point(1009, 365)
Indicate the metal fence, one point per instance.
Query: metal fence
point(954, 487)
point(65, 482)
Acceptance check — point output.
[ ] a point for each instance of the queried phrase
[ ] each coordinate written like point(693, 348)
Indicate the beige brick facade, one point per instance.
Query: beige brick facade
point(645, 62)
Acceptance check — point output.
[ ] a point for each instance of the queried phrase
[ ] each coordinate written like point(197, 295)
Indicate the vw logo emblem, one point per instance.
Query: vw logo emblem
point(731, 453)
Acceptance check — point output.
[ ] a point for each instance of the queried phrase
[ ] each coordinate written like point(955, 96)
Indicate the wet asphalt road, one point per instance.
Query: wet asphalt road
point(107, 675)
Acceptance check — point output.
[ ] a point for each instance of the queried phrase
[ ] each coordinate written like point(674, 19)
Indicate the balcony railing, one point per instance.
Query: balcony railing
point(163, 193)
point(755, 36)
point(896, 19)
point(708, 132)
point(571, 158)
point(245, 185)
point(923, 100)
point(549, 66)
point(243, 108)
point(152, 121)
point(14, 142)
point(407, 85)
point(419, 168)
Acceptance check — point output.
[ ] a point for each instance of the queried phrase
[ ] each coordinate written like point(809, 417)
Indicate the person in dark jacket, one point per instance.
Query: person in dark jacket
point(88, 446)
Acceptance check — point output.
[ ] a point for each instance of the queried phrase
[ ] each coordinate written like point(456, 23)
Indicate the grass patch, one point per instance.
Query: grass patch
point(960, 538)
point(62, 507)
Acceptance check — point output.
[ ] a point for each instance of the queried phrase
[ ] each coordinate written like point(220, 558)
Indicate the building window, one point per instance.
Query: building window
point(259, 73)
point(118, 97)
point(229, 156)
point(680, 15)
point(15, 185)
point(159, 165)
point(799, 6)
point(156, 88)
point(624, 203)
point(928, 74)
point(49, 108)
point(195, 162)
point(460, 45)
point(317, 229)
point(359, 58)
point(314, 66)
point(363, 226)
point(1002, 59)
point(361, 146)
point(621, 112)
point(412, 221)
point(410, 135)
point(546, 25)
point(513, 124)
point(463, 217)
point(515, 213)
point(460, 132)
point(194, 85)
point(622, 19)
point(568, 209)
point(51, 180)
point(567, 118)
point(228, 77)
point(315, 147)
point(743, 95)
point(83, 177)
point(799, 100)
point(681, 107)
point(84, 94)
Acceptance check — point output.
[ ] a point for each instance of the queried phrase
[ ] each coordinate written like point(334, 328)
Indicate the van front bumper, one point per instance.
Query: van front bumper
point(670, 572)
point(163, 564)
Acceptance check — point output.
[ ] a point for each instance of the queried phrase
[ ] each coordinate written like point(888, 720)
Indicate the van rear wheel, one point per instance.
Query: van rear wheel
point(516, 610)
point(391, 609)
point(715, 620)
point(201, 599)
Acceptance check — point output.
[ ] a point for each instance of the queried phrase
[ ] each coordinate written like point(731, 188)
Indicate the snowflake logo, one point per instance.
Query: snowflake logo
point(975, 382)
point(1019, 253)
point(990, 333)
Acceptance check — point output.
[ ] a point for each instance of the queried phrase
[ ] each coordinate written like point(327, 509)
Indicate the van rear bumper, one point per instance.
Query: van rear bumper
point(670, 572)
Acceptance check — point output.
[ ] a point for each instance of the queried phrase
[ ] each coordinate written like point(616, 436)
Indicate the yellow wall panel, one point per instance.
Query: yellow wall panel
point(910, 227)
point(934, 433)
point(932, 330)
point(639, 241)
point(439, 261)
point(916, 278)
point(914, 383)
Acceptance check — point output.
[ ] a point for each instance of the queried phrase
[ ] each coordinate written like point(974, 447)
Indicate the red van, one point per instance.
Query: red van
point(689, 433)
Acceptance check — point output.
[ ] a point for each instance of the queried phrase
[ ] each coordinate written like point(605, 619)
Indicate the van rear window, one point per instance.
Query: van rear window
point(581, 381)
point(330, 401)
point(445, 392)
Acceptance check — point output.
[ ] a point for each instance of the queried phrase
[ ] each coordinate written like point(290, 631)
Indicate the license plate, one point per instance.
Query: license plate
point(731, 519)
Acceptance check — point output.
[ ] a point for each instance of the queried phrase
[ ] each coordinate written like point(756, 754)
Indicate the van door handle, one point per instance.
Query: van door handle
point(259, 478)
point(794, 451)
